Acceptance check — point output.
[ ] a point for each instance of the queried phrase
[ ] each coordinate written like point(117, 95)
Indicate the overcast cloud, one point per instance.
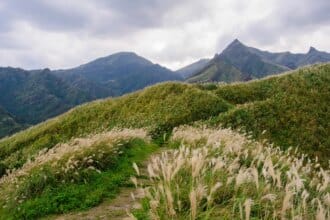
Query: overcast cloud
point(67, 33)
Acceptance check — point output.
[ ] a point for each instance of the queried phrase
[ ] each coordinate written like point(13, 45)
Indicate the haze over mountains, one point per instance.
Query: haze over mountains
point(30, 97)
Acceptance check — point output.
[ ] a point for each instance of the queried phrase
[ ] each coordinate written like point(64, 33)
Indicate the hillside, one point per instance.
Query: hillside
point(158, 109)
point(288, 110)
point(251, 63)
point(84, 157)
point(34, 96)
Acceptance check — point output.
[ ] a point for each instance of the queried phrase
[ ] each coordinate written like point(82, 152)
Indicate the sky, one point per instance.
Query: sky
point(66, 33)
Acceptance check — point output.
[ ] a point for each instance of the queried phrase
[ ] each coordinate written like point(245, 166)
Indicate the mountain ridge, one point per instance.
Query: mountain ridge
point(33, 96)
point(254, 63)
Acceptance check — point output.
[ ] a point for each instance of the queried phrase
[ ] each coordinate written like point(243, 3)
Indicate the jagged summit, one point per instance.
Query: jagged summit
point(239, 62)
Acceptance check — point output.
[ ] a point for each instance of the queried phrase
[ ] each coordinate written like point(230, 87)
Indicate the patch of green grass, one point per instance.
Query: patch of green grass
point(288, 110)
point(57, 197)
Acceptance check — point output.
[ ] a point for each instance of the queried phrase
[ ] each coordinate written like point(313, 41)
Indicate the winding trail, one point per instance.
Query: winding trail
point(117, 208)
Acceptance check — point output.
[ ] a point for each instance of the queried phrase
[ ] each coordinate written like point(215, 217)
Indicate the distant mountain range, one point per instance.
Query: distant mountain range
point(31, 96)
point(239, 62)
point(118, 74)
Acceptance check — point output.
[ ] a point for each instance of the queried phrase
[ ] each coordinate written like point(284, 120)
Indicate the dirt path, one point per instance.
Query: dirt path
point(115, 209)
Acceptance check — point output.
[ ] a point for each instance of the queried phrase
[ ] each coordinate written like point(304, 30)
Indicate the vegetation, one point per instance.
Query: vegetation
point(76, 160)
point(217, 173)
point(160, 108)
point(76, 175)
point(289, 110)
point(34, 96)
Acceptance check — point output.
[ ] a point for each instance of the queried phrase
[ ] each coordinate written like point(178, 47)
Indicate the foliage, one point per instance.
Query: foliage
point(217, 173)
point(73, 176)
point(37, 95)
point(160, 108)
point(288, 110)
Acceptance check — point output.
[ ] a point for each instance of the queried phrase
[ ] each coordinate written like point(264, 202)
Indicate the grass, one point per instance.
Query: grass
point(67, 179)
point(288, 110)
point(76, 160)
point(217, 173)
point(159, 108)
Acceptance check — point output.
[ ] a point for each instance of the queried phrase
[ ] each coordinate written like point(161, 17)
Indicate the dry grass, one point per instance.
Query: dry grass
point(220, 173)
point(69, 162)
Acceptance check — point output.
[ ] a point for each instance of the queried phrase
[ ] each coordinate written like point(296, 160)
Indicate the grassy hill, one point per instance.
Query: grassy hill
point(288, 110)
point(37, 95)
point(78, 159)
point(160, 108)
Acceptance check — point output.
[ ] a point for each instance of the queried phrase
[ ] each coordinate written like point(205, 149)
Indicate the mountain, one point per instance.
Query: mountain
point(173, 135)
point(34, 96)
point(189, 70)
point(37, 95)
point(253, 63)
point(292, 60)
point(121, 72)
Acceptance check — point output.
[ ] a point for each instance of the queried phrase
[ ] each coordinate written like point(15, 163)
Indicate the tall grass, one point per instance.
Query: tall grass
point(219, 174)
point(74, 175)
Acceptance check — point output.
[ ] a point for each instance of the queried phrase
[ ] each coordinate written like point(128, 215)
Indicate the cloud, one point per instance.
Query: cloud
point(62, 33)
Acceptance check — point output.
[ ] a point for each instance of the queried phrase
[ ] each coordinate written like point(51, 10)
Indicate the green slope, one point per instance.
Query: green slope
point(288, 110)
point(160, 108)
point(37, 95)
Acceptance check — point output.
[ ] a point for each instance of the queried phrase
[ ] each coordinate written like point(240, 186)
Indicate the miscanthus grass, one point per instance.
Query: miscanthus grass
point(72, 162)
point(220, 174)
